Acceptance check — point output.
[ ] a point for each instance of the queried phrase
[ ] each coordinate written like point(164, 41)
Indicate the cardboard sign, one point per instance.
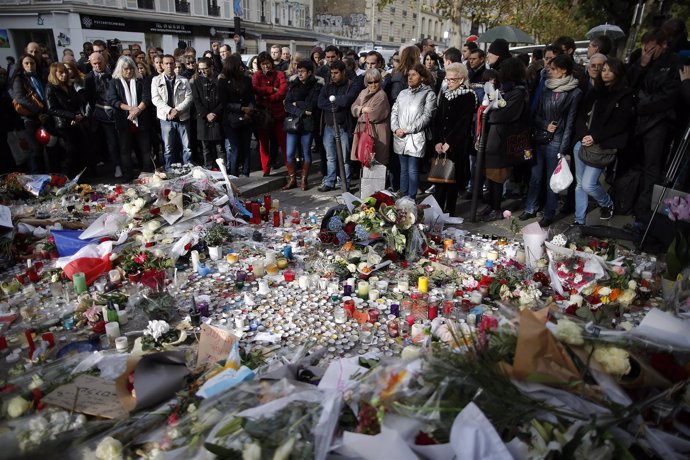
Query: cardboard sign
point(88, 395)
point(214, 345)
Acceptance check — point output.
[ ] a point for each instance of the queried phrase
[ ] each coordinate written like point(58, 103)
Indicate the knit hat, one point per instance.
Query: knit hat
point(499, 47)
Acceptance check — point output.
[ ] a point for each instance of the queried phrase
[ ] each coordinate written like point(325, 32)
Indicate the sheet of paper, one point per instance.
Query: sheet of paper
point(88, 395)
point(214, 345)
point(5, 218)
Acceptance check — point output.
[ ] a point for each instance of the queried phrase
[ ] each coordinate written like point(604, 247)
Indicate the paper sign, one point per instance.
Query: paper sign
point(214, 345)
point(5, 218)
point(89, 395)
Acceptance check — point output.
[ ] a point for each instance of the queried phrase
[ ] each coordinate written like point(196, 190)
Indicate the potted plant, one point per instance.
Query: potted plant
point(214, 238)
point(678, 253)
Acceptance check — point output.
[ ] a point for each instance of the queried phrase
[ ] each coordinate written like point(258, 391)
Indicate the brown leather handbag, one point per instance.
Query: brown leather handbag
point(442, 170)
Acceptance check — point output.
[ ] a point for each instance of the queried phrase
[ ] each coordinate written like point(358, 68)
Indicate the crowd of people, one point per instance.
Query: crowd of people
point(138, 110)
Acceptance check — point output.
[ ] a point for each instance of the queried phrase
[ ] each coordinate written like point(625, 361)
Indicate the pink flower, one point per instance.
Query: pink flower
point(507, 214)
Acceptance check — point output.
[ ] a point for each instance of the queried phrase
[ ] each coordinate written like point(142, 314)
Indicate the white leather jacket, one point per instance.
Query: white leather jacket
point(182, 97)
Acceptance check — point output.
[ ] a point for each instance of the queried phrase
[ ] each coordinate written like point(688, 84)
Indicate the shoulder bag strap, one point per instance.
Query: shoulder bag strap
point(591, 115)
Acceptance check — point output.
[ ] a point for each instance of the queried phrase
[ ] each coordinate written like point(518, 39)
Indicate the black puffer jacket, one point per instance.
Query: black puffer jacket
point(63, 106)
point(613, 112)
point(304, 97)
point(559, 107)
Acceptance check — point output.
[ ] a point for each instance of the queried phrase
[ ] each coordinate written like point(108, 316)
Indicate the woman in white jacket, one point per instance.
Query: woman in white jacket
point(410, 122)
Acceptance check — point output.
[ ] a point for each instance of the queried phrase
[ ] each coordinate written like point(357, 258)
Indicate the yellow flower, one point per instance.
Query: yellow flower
point(569, 332)
point(615, 361)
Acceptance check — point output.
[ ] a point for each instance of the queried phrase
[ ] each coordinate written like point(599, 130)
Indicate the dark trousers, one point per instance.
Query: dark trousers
point(105, 133)
point(211, 150)
point(140, 141)
point(654, 143)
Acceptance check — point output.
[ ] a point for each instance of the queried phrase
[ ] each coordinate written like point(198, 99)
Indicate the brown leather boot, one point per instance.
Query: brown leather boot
point(304, 185)
point(292, 180)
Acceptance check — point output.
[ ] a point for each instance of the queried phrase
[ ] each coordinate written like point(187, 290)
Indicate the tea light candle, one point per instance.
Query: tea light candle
point(363, 289)
point(195, 260)
point(121, 344)
point(492, 255)
point(282, 262)
point(423, 284)
point(374, 294)
point(232, 258)
point(79, 280)
point(382, 285)
point(272, 268)
point(112, 330)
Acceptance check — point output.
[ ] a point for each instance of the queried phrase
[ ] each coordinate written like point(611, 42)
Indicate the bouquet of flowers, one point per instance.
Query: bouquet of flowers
point(572, 274)
point(136, 260)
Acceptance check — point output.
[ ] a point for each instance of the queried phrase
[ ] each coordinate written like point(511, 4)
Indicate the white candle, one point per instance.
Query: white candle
point(195, 260)
point(403, 285)
point(303, 282)
point(492, 255)
point(374, 294)
point(112, 330)
point(122, 317)
point(270, 257)
point(258, 268)
point(417, 329)
point(363, 289)
point(121, 344)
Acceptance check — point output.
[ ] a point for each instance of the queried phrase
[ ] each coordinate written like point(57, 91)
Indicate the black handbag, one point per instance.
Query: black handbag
point(541, 136)
point(442, 170)
point(293, 124)
point(237, 119)
point(594, 155)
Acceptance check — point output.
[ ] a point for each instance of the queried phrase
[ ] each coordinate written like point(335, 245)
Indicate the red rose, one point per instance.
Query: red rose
point(571, 310)
point(99, 327)
point(349, 228)
point(404, 264)
point(149, 244)
point(423, 439)
point(155, 211)
point(188, 246)
point(86, 208)
point(118, 190)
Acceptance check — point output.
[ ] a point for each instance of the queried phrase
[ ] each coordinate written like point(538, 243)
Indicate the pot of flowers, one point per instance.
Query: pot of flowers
point(214, 239)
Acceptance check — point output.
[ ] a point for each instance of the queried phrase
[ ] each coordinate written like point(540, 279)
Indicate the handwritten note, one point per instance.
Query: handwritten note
point(214, 345)
point(89, 395)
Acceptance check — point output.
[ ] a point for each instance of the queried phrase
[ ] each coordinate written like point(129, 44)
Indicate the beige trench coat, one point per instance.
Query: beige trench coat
point(379, 119)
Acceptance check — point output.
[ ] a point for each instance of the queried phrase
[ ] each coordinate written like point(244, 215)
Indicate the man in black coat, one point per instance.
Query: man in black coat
point(209, 113)
point(655, 78)
point(99, 113)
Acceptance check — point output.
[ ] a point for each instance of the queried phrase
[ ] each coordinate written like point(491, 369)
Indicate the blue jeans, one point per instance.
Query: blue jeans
point(545, 157)
point(238, 142)
point(304, 140)
point(409, 175)
point(170, 130)
point(587, 185)
point(332, 156)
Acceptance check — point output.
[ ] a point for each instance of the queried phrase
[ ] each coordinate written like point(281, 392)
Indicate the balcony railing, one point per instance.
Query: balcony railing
point(181, 6)
point(146, 4)
point(213, 10)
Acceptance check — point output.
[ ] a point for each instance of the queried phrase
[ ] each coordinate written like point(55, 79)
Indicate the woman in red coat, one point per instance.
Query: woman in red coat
point(270, 88)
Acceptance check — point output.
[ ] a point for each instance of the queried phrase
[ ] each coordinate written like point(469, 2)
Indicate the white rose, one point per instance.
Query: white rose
point(109, 449)
point(139, 203)
point(604, 291)
point(157, 328)
point(17, 406)
point(569, 332)
point(632, 284)
point(352, 268)
point(613, 360)
point(627, 297)
point(147, 234)
point(411, 352)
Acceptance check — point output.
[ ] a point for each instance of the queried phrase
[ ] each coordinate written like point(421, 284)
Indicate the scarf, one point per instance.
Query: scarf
point(459, 91)
point(38, 87)
point(561, 85)
point(131, 94)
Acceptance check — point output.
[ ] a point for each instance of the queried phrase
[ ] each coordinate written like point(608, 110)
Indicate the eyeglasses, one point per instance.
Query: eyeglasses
point(375, 82)
point(453, 79)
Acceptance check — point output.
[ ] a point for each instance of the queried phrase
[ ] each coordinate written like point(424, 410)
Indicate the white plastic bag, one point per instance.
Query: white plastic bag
point(561, 177)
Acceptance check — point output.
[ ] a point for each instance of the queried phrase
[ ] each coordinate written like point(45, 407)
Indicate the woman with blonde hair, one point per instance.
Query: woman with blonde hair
point(292, 67)
point(130, 97)
point(372, 104)
point(65, 109)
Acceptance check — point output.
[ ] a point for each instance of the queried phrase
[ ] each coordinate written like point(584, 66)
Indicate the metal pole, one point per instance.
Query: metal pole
point(478, 168)
point(338, 147)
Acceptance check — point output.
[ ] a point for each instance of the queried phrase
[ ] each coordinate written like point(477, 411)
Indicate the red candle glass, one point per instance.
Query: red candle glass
point(50, 338)
point(267, 202)
point(349, 306)
point(373, 315)
point(289, 275)
point(433, 310)
point(448, 306)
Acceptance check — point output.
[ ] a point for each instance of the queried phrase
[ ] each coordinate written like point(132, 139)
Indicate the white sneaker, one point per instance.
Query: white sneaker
point(118, 171)
point(431, 189)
